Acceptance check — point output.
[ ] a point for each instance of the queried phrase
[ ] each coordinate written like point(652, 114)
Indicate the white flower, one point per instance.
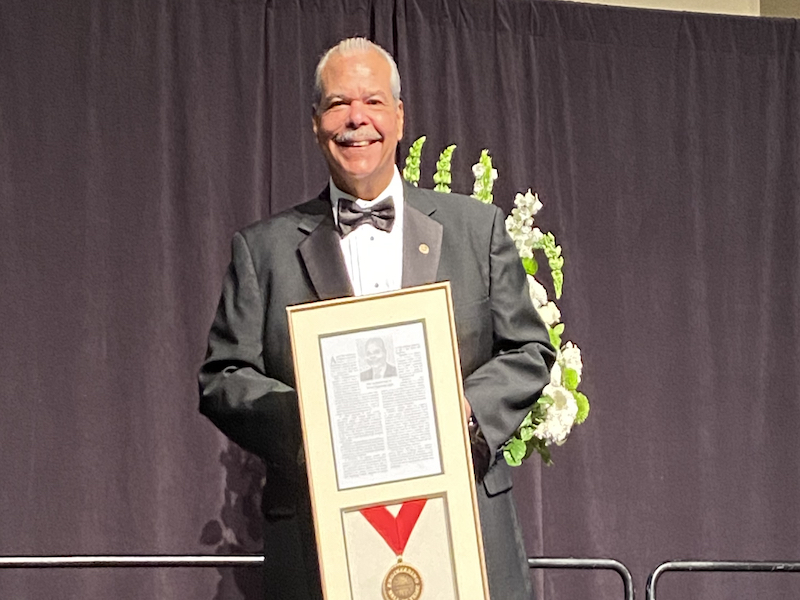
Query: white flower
point(521, 234)
point(479, 170)
point(537, 292)
point(529, 202)
point(512, 225)
point(555, 375)
point(525, 251)
point(482, 187)
point(560, 416)
point(526, 237)
point(571, 358)
point(550, 314)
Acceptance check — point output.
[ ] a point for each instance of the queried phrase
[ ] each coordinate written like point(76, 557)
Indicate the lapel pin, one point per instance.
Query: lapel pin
point(424, 248)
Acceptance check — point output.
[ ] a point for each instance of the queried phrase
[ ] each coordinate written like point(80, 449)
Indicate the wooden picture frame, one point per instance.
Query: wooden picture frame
point(386, 446)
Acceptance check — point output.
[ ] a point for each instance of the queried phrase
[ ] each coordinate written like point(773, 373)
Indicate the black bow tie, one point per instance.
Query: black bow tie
point(380, 215)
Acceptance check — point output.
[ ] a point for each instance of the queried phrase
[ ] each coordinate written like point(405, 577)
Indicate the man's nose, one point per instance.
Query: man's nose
point(358, 114)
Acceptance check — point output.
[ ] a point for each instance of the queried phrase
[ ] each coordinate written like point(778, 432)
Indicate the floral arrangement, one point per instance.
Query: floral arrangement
point(561, 405)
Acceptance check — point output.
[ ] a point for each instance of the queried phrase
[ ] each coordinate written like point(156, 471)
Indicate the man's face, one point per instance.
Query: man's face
point(358, 124)
point(376, 356)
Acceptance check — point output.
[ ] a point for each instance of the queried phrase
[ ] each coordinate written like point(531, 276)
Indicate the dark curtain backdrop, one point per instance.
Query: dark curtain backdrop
point(136, 137)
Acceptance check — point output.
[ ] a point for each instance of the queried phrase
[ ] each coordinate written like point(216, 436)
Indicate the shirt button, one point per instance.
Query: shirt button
point(376, 285)
point(371, 238)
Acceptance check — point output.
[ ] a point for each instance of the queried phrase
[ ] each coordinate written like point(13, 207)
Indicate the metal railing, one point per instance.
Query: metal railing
point(587, 563)
point(256, 560)
point(716, 565)
point(50, 562)
point(186, 561)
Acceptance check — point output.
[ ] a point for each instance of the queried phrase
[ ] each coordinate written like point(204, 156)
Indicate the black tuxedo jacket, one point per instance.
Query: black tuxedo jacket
point(247, 379)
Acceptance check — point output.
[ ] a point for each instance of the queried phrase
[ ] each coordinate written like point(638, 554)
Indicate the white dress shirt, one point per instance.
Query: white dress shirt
point(374, 258)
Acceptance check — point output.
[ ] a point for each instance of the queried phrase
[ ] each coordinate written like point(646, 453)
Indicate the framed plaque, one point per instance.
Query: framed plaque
point(387, 448)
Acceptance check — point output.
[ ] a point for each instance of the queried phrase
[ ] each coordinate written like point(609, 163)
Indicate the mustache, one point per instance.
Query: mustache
point(356, 135)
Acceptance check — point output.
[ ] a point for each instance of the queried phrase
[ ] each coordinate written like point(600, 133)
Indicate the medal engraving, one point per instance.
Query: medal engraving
point(402, 582)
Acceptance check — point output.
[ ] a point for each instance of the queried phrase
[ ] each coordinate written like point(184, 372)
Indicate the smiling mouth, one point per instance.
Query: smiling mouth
point(361, 144)
point(352, 141)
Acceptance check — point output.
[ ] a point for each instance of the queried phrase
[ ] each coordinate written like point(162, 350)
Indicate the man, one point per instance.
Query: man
point(379, 366)
point(353, 240)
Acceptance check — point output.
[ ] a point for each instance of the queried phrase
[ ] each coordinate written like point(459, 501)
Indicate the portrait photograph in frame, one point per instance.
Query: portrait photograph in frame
point(387, 448)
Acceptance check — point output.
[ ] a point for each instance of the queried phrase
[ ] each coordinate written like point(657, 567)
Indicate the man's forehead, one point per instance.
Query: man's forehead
point(367, 71)
point(349, 93)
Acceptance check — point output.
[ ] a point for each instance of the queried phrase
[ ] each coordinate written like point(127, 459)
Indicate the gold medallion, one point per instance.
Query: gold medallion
point(402, 582)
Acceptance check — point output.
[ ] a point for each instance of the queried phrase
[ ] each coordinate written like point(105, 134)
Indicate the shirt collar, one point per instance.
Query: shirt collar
point(394, 189)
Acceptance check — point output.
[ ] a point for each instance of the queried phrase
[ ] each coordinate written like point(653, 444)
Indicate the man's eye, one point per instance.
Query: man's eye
point(374, 101)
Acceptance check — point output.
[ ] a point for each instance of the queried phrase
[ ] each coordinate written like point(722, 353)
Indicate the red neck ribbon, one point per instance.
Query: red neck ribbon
point(395, 530)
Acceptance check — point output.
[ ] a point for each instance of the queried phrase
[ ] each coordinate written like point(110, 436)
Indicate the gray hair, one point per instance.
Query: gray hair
point(349, 47)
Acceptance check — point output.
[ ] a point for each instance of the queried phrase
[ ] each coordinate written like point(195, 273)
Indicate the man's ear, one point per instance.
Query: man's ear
point(314, 119)
point(400, 120)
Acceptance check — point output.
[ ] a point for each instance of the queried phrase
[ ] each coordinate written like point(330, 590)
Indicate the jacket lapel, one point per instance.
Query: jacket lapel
point(322, 254)
point(321, 251)
point(422, 239)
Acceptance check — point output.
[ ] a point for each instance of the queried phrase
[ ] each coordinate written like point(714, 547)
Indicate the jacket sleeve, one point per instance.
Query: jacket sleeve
point(503, 390)
point(257, 412)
